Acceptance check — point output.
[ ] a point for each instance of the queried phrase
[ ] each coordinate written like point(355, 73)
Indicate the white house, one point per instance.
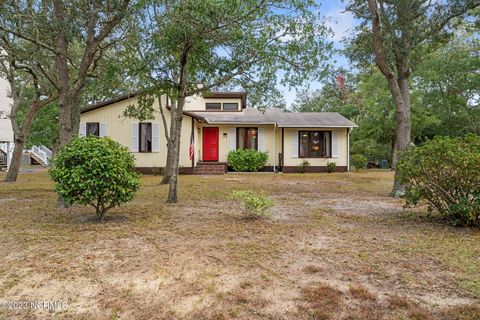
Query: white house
point(6, 132)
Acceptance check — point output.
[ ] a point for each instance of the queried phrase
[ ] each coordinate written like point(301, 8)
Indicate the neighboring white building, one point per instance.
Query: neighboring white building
point(6, 132)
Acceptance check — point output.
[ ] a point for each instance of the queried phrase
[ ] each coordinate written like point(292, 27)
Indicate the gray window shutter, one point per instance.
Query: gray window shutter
point(82, 132)
point(103, 129)
point(261, 139)
point(134, 135)
point(334, 144)
point(295, 144)
point(155, 138)
point(233, 139)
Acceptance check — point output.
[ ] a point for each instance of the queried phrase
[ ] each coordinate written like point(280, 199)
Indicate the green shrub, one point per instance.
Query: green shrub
point(252, 205)
point(359, 161)
point(331, 166)
point(95, 171)
point(445, 172)
point(303, 166)
point(247, 160)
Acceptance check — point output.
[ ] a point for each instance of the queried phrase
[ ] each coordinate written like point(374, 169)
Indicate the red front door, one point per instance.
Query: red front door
point(210, 144)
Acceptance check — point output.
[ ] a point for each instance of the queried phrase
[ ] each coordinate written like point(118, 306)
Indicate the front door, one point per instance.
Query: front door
point(210, 144)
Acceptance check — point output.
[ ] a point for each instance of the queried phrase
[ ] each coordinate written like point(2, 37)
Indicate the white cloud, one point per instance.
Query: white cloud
point(341, 23)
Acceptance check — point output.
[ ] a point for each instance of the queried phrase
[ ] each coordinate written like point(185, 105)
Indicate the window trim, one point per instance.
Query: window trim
point(238, 136)
point(140, 137)
point(308, 156)
point(90, 123)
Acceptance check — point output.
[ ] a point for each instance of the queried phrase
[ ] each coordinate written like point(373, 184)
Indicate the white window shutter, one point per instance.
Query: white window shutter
point(334, 144)
point(155, 138)
point(103, 129)
point(295, 144)
point(261, 139)
point(233, 139)
point(82, 132)
point(134, 135)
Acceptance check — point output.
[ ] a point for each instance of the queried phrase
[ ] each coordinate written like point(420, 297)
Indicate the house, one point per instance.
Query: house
point(216, 123)
point(6, 132)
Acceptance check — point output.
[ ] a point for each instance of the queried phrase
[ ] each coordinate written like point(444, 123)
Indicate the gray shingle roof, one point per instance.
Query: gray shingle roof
point(275, 116)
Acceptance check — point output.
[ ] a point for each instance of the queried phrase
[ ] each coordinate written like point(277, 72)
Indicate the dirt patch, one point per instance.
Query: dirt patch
point(335, 247)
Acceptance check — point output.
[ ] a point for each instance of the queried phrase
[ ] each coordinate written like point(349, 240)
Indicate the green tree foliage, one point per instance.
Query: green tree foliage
point(359, 161)
point(445, 172)
point(95, 171)
point(247, 160)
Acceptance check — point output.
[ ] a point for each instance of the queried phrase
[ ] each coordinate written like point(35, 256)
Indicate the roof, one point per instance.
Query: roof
point(214, 95)
point(108, 102)
point(275, 116)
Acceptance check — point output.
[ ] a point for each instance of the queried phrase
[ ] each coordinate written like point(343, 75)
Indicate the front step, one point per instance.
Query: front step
point(210, 168)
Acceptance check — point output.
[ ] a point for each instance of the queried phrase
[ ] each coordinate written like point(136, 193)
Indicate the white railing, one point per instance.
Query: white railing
point(47, 151)
point(41, 154)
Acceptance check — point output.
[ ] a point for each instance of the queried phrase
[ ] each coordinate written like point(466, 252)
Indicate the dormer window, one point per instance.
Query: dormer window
point(217, 106)
point(230, 106)
point(213, 106)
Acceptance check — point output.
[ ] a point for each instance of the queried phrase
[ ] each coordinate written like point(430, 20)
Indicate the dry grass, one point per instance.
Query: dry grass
point(330, 237)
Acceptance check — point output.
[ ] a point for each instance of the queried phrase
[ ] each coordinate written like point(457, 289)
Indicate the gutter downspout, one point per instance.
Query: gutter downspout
point(348, 148)
point(274, 145)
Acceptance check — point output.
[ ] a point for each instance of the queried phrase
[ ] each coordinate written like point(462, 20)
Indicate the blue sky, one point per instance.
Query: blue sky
point(341, 23)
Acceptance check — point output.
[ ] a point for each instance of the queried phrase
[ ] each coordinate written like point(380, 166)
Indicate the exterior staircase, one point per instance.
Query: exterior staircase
point(41, 154)
point(210, 168)
point(3, 160)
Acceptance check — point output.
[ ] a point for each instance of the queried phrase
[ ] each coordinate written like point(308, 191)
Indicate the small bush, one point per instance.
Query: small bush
point(331, 166)
point(359, 161)
point(445, 172)
point(303, 166)
point(95, 171)
point(247, 160)
point(251, 204)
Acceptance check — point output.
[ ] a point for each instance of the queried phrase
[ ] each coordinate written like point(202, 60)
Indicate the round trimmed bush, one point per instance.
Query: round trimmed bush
point(445, 172)
point(95, 171)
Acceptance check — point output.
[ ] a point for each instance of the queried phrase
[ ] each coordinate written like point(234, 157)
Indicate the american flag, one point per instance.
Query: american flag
point(191, 150)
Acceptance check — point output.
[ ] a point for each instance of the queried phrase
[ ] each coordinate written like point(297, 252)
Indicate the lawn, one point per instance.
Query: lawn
point(335, 247)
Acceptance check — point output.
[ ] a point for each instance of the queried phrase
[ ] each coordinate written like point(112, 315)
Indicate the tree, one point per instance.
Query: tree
point(191, 47)
point(67, 40)
point(392, 31)
point(28, 91)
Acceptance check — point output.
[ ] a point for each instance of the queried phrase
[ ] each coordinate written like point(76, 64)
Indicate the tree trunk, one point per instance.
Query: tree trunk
point(14, 167)
point(403, 131)
point(21, 136)
point(175, 154)
point(167, 171)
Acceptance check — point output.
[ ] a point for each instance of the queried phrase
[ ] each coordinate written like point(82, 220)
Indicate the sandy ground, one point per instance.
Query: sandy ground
point(335, 247)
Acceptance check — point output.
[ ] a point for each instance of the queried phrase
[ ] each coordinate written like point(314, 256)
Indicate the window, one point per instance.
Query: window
point(213, 106)
point(93, 129)
point(145, 136)
point(230, 106)
point(315, 144)
point(247, 138)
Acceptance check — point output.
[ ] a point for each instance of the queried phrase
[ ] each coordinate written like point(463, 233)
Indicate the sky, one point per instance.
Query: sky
point(340, 23)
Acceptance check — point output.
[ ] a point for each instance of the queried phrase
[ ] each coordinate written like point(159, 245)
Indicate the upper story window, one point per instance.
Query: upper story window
point(226, 106)
point(315, 144)
point(145, 137)
point(247, 138)
point(213, 106)
point(93, 129)
point(230, 106)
